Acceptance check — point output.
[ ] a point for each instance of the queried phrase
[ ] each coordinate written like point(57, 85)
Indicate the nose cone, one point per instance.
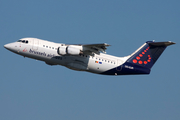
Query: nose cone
point(7, 46)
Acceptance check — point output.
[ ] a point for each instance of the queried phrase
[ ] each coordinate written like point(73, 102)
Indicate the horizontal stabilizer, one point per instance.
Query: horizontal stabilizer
point(158, 44)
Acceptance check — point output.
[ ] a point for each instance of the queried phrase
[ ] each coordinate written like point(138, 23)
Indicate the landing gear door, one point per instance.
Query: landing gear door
point(35, 44)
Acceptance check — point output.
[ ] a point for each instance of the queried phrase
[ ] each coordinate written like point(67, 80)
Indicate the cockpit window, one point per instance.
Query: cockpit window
point(23, 41)
point(19, 40)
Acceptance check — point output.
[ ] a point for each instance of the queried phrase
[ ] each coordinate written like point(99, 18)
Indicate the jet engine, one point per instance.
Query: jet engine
point(69, 50)
point(61, 50)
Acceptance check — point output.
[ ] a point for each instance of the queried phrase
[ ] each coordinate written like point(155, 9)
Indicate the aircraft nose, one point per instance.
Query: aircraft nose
point(7, 46)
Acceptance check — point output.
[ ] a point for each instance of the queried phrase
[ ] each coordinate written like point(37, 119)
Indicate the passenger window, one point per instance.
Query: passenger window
point(52, 47)
point(49, 47)
point(46, 46)
point(43, 45)
point(26, 41)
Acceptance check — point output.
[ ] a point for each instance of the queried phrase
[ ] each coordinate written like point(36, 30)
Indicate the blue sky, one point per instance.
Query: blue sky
point(32, 90)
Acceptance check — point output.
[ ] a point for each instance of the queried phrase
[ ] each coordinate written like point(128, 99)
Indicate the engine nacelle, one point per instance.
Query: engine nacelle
point(70, 50)
point(61, 50)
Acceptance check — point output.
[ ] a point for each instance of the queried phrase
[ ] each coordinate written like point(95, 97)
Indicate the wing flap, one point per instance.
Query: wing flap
point(95, 48)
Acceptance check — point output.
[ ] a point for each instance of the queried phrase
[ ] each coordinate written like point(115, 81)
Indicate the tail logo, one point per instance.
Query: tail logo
point(138, 58)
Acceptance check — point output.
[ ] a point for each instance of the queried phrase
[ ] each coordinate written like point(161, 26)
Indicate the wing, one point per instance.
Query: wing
point(95, 48)
point(76, 49)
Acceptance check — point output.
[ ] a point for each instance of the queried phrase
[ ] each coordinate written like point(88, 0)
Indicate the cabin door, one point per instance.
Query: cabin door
point(35, 44)
point(119, 65)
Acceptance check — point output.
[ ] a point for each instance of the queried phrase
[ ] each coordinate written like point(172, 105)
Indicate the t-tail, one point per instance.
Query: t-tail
point(145, 57)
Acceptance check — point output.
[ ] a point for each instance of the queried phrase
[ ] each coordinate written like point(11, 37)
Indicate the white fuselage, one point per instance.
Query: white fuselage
point(47, 51)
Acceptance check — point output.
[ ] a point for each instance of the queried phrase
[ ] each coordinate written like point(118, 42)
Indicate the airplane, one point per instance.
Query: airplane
point(90, 57)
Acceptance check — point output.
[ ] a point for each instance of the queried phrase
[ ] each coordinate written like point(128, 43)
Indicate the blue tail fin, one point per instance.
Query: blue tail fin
point(148, 53)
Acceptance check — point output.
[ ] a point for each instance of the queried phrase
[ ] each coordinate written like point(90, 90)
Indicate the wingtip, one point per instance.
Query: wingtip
point(106, 44)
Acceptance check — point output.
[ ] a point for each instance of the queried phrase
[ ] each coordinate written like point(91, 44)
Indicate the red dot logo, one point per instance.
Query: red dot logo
point(138, 58)
point(140, 62)
point(134, 61)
